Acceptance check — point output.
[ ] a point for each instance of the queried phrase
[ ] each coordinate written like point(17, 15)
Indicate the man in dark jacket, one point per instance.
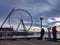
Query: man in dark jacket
point(42, 33)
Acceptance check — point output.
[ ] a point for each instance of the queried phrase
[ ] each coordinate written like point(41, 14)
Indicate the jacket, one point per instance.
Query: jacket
point(54, 30)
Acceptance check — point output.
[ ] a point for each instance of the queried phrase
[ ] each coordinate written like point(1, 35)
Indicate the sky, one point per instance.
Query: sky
point(48, 9)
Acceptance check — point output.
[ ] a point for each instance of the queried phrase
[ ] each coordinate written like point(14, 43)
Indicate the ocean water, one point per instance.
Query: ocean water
point(38, 35)
point(46, 35)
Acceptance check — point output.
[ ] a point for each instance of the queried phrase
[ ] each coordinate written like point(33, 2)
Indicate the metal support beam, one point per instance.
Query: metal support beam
point(7, 17)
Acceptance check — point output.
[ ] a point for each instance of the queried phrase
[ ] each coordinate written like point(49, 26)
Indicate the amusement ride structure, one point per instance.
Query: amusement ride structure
point(18, 20)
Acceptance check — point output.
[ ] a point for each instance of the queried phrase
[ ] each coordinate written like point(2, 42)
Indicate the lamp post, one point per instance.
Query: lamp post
point(41, 18)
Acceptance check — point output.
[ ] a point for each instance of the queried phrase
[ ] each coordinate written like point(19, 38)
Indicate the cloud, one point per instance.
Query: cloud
point(50, 20)
point(5, 7)
point(55, 21)
point(57, 24)
point(45, 8)
point(57, 18)
point(49, 9)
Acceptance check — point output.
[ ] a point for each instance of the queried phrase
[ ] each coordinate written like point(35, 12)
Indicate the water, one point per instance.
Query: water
point(46, 35)
point(38, 35)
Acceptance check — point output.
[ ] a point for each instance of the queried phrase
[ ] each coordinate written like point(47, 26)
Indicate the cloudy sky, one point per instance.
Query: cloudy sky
point(48, 9)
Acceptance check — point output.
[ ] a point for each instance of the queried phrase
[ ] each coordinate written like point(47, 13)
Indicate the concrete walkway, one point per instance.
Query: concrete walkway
point(27, 42)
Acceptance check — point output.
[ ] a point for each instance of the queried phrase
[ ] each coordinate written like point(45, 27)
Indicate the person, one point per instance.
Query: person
point(42, 33)
point(54, 31)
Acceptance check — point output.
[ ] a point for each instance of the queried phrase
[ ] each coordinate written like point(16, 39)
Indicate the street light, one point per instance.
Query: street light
point(41, 18)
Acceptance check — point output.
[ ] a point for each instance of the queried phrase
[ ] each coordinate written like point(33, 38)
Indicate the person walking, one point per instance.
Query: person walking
point(54, 31)
point(42, 33)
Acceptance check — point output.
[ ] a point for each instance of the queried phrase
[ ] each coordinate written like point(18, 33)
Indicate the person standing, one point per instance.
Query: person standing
point(54, 31)
point(42, 33)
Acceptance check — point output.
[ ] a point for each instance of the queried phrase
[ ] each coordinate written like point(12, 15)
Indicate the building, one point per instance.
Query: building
point(4, 32)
